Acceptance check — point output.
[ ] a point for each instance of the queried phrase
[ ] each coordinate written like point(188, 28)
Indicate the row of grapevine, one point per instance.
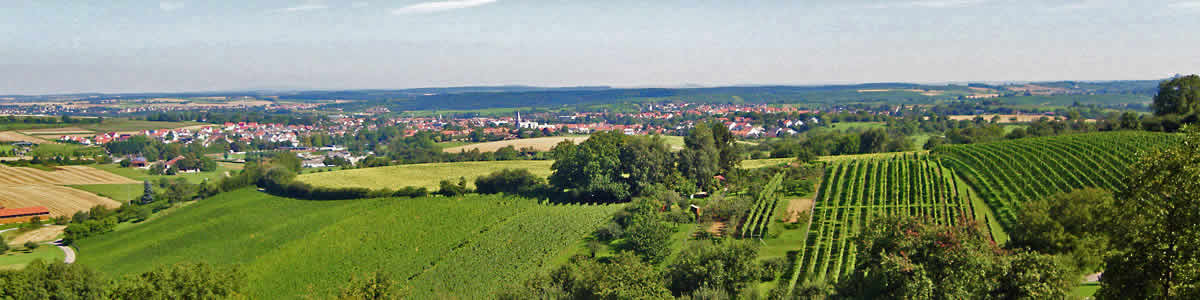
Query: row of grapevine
point(756, 222)
point(1009, 173)
point(857, 192)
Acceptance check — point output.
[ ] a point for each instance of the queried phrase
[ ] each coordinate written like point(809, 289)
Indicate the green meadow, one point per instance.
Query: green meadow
point(468, 247)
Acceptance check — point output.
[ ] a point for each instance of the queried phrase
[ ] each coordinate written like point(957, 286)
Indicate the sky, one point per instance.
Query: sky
point(70, 46)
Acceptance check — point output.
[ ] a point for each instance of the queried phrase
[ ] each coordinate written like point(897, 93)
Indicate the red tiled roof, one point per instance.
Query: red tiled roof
point(23, 211)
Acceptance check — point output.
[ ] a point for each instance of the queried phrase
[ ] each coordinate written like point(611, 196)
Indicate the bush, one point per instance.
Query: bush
point(31, 245)
point(508, 181)
point(449, 189)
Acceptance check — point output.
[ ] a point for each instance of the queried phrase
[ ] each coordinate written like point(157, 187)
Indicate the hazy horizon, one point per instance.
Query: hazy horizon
point(195, 46)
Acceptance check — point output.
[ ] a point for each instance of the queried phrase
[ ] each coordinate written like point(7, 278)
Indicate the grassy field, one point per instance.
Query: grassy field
point(119, 192)
point(18, 259)
point(467, 247)
point(142, 175)
point(421, 175)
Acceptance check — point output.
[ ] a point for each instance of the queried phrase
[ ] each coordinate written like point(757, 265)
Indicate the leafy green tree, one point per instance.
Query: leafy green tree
point(730, 266)
point(509, 181)
point(31, 245)
point(647, 161)
point(906, 258)
point(646, 234)
point(873, 141)
point(1178, 96)
point(622, 277)
point(700, 158)
point(591, 169)
point(42, 280)
point(3, 245)
point(450, 189)
point(182, 281)
point(1071, 224)
point(1157, 228)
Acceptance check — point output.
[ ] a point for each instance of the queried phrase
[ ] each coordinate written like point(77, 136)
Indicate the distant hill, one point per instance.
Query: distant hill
point(483, 97)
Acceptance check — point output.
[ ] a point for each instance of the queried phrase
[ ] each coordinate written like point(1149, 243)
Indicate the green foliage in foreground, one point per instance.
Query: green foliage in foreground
point(467, 246)
point(904, 258)
point(74, 281)
point(1157, 235)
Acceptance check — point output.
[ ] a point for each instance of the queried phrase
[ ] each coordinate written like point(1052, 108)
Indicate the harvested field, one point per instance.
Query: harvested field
point(54, 131)
point(44, 234)
point(60, 200)
point(65, 175)
point(13, 136)
point(541, 144)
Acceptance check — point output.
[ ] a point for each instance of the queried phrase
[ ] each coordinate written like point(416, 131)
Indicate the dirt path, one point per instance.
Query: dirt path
point(800, 205)
point(47, 233)
point(1092, 277)
point(717, 228)
point(68, 253)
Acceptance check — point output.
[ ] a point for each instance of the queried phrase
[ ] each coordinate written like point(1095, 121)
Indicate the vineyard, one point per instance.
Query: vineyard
point(856, 192)
point(470, 246)
point(764, 205)
point(1008, 173)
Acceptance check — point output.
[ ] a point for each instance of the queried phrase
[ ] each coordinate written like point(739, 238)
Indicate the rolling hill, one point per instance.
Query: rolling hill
point(469, 247)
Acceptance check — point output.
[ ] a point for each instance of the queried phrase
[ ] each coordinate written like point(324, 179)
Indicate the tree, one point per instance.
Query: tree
point(147, 193)
point(729, 266)
point(182, 281)
point(31, 245)
point(872, 141)
point(449, 189)
point(591, 169)
point(3, 245)
point(646, 234)
point(700, 158)
point(623, 277)
point(509, 181)
point(1071, 224)
point(1178, 96)
point(906, 258)
point(647, 161)
point(1157, 228)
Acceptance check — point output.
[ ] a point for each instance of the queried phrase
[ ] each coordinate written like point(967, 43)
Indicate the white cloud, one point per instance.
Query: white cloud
point(1185, 5)
point(305, 7)
point(928, 4)
point(359, 4)
point(169, 5)
point(430, 7)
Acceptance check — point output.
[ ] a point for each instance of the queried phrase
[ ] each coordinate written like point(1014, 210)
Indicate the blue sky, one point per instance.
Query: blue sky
point(60, 46)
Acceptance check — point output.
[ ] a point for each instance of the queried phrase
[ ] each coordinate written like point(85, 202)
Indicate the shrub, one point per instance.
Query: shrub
point(31, 245)
point(508, 181)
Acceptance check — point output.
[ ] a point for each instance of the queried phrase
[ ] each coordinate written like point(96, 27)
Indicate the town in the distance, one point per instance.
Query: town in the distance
point(514, 192)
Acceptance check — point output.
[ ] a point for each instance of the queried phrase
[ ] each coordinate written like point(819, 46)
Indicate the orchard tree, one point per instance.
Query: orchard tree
point(1157, 231)
point(699, 159)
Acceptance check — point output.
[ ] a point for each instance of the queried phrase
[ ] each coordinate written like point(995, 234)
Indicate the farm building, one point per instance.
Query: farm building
point(17, 215)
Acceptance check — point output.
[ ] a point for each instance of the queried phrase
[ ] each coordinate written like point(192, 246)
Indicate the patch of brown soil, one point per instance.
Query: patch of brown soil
point(44, 234)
